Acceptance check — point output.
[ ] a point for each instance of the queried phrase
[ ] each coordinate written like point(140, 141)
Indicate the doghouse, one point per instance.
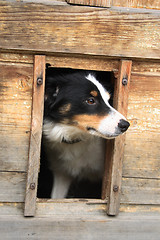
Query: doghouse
point(122, 37)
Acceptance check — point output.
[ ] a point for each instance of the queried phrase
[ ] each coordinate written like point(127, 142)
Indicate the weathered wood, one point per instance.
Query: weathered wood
point(119, 3)
point(15, 111)
point(16, 58)
point(115, 149)
point(142, 151)
point(83, 62)
point(81, 220)
point(153, 4)
point(76, 208)
point(134, 190)
point(12, 187)
point(83, 30)
point(129, 226)
point(36, 131)
point(138, 191)
point(100, 3)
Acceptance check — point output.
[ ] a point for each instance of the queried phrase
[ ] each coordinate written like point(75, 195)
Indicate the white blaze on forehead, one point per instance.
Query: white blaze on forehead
point(105, 95)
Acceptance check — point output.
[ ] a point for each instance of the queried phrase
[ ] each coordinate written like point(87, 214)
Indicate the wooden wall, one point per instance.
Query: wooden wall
point(89, 38)
point(141, 166)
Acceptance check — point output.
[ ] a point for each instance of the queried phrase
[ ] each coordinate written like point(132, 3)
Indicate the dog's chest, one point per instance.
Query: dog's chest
point(83, 160)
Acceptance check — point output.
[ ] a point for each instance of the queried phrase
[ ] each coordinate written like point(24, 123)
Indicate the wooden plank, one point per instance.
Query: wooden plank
point(130, 226)
point(83, 30)
point(16, 58)
point(149, 4)
point(90, 209)
point(35, 139)
point(142, 151)
point(16, 98)
point(146, 68)
point(152, 4)
point(99, 3)
point(83, 62)
point(134, 191)
point(12, 187)
point(115, 148)
point(76, 208)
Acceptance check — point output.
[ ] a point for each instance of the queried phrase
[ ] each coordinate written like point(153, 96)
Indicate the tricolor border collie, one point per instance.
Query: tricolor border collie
point(77, 119)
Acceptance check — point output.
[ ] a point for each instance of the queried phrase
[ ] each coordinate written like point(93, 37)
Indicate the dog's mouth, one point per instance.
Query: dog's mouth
point(94, 131)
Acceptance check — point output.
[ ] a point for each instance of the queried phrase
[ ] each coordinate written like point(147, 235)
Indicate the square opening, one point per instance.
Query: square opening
point(79, 188)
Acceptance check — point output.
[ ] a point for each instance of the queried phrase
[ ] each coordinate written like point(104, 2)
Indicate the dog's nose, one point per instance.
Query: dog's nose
point(123, 125)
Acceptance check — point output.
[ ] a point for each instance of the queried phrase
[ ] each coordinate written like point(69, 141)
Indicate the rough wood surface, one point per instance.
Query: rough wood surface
point(100, 3)
point(15, 111)
point(134, 190)
point(131, 226)
point(35, 138)
point(142, 151)
point(119, 3)
point(76, 208)
point(152, 4)
point(72, 29)
point(83, 62)
point(12, 186)
point(115, 148)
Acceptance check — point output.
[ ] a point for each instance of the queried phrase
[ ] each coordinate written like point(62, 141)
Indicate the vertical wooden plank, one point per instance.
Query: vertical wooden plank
point(115, 148)
point(35, 137)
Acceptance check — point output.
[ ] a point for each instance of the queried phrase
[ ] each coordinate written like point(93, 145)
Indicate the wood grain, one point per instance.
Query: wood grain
point(131, 227)
point(83, 62)
point(12, 187)
point(35, 138)
point(141, 156)
point(152, 4)
point(9, 57)
point(115, 148)
point(119, 3)
point(100, 3)
point(72, 29)
point(134, 191)
point(90, 209)
point(15, 110)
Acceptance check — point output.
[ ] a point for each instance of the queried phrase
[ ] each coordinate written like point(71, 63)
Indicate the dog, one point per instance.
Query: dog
point(77, 119)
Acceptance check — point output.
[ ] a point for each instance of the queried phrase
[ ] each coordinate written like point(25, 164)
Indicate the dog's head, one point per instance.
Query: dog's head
point(76, 98)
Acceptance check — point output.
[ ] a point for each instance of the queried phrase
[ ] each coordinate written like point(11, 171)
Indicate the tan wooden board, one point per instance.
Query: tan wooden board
point(16, 58)
point(115, 148)
point(76, 208)
point(36, 133)
point(101, 63)
point(100, 3)
point(140, 191)
point(149, 4)
point(134, 190)
point(131, 226)
point(72, 29)
point(142, 151)
point(15, 115)
point(12, 187)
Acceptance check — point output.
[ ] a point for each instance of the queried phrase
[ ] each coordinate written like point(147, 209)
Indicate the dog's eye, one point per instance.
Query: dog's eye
point(91, 101)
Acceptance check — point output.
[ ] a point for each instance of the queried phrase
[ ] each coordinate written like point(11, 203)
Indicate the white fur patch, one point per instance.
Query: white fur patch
point(105, 96)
